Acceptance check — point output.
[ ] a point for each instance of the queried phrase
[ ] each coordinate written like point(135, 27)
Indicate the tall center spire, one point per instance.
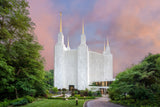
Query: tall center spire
point(82, 27)
point(60, 21)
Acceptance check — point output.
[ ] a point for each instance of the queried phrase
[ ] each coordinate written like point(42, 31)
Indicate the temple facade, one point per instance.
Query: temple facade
point(79, 68)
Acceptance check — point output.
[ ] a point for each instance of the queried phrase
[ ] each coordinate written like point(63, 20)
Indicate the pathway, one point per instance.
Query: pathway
point(101, 102)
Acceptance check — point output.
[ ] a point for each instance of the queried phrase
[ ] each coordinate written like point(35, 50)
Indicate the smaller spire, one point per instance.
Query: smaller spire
point(82, 26)
point(104, 46)
point(107, 42)
point(60, 21)
point(68, 42)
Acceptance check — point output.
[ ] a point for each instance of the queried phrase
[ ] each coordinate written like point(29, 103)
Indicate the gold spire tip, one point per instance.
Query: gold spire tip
point(60, 21)
point(82, 26)
point(107, 42)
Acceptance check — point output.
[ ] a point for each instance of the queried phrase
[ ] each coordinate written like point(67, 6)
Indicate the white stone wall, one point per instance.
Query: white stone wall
point(108, 67)
point(83, 67)
point(96, 67)
point(80, 67)
point(59, 62)
point(70, 68)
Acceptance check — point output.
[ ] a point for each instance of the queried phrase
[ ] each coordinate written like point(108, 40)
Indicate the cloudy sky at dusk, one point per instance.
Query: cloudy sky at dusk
point(132, 26)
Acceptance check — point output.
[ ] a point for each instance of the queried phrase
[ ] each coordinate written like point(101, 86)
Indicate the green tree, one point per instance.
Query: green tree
point(49, 78)
point(140, 82)
point(20, 58)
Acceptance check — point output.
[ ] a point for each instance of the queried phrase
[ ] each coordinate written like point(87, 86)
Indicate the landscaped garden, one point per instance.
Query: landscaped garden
point(56, 103)
point(55, 98)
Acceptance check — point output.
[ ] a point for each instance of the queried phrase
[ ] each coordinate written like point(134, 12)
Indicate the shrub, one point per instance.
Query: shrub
point(90, 93)
point(81, 93)
point(4, 104)
point(99, 93)
point(30, 99)
point(63, 94)
point(94, 93)
point(55, 90)
point(19, 101)
point(86, 93)
point(76, 92)
point(55, 98)
point(63, 89)
point(76, 95)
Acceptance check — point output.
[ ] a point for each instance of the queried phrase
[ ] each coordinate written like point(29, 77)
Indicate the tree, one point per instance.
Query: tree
point(49, 78)
point(20, 58)
point(140, 82)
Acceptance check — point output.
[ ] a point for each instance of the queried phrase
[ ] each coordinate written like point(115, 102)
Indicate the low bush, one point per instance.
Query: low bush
point(72, 98)
point(55, 98)
point(4, 104)
point(19, 101)
point(90, 93)
point(99, 93)
point(76, 95)
point(55, 90)
point(30, 99)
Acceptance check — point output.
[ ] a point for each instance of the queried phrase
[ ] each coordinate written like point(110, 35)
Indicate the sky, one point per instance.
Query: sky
point(132, 27)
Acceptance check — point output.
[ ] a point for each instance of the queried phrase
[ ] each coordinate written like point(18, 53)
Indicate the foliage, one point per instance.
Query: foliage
point(93, 84)
point(73, 97)
point(55, 90)
point(30, 99)
point(19, 101)
point(4, 104)
point(49, 78)
point(99, 93)
point(56, 103)
point(21, 66)
point(140, 82)
point(90, 93)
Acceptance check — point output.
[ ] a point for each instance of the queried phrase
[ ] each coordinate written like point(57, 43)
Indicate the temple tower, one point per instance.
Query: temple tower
point(59, 80)
point(108, 63)
point(83, 62)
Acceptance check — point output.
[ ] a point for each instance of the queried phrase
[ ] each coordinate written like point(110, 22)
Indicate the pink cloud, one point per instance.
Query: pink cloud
point(46, 21)
point(134, 29)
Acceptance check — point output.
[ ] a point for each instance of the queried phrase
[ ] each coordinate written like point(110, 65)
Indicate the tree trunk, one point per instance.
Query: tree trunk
point(16, 93)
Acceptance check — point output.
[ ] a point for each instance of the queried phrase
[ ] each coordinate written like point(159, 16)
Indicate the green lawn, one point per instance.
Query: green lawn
point(55, 103)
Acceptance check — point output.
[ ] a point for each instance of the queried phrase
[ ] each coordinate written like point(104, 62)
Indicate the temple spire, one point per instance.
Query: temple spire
point(107, 43)
point(104, 46)
point(82, 27)
point(60, 21)
point(68, 42)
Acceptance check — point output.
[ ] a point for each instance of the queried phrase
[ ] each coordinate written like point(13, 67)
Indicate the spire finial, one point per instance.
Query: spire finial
point(82, 26)
point(68, 42)
point(104, 46)
point(107, 42)
point(60, 21)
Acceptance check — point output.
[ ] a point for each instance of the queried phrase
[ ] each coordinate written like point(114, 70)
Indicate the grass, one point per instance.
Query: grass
point(55, 103)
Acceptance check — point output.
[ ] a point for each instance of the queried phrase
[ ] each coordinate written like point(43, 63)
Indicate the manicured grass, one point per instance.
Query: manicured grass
point(55, 103)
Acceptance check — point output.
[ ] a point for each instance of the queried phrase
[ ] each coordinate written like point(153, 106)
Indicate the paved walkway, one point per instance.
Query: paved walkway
point(101, 102)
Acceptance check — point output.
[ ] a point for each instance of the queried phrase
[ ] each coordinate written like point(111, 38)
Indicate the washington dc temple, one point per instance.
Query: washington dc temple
point(79, 68)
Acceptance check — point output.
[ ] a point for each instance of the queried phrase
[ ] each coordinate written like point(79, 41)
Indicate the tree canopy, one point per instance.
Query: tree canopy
point(21, 65)
point(140, 82)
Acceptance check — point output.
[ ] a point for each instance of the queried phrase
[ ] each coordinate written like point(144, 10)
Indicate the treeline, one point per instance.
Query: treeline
point(138, 85)
point(21, 65)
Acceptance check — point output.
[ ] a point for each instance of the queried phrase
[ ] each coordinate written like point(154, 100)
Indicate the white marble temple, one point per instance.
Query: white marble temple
point(80, 67)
